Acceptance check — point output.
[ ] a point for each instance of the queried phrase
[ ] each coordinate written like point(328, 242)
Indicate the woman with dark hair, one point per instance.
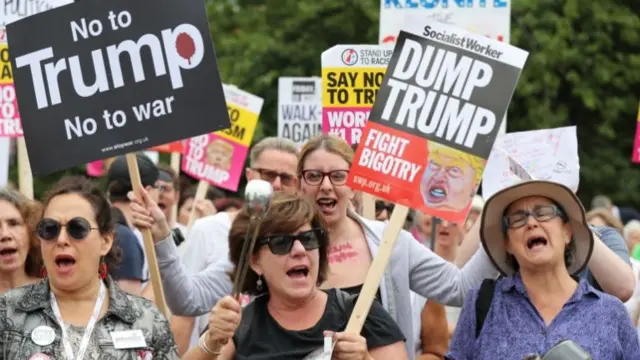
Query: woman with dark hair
point(20, 261)
point(290, 315)
point(536, 235)
point(77, 311)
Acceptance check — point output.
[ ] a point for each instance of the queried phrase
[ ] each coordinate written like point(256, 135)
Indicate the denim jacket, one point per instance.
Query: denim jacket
point(24, 309)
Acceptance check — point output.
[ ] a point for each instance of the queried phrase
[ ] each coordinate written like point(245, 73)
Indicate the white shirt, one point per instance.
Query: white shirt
point(633, 303)
point(207, 243)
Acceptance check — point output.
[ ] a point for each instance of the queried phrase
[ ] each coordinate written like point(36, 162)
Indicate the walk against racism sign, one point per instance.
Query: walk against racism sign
point(435, 119)
point(96, 79)
point(219, 158)
point(299, 108)
point(351, 77)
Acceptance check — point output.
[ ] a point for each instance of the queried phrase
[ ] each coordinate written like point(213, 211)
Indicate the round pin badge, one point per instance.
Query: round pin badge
point(39, 356)
point(43, 336)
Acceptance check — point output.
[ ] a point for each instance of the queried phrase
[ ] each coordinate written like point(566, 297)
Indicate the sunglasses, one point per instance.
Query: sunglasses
point(78, 228)
point(381, 205)
point(271, 176)
point(283, 243)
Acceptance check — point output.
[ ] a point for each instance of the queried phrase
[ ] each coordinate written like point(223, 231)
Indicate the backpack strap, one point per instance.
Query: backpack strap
point(483, 302)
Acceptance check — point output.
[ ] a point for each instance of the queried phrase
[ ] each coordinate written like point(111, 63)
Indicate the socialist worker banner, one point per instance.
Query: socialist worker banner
point(351, 77)
point(219, 157)
point(435, 119)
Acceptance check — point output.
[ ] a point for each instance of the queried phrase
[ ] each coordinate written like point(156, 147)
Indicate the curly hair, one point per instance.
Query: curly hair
point(30, 212)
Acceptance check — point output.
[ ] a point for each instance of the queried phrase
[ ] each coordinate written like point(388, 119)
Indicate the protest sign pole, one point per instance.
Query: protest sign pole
point(368, 206)
point(376, 270)
point(201, 193)
point(154, 270)
point(25, 177)
point(175, 165)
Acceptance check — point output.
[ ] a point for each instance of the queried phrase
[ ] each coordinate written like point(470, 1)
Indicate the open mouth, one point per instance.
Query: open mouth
point(8, 251)
point(162, 206)
point(65, 261)
point(298, 272)
point(326, 204)
point(536, 241)
point(437, 194)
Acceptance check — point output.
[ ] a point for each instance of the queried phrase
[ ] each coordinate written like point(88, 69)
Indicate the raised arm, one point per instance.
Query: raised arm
point(186, 294)
point(190, 294)
point(435, 278)
point(610, 265)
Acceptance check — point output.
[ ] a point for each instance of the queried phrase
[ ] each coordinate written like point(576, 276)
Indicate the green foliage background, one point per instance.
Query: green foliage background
point(583, 69)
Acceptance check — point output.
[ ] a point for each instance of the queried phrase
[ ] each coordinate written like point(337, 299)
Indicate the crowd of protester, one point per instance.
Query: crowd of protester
point(74, 271)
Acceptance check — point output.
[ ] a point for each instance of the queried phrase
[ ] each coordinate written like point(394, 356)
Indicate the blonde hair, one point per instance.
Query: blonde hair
point(608, 218)
point(332, 144)
point(437, 150)
point(633, 225)
point(272, 143)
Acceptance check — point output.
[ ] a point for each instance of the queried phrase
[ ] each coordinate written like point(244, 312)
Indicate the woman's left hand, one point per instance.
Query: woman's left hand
point(348, 346)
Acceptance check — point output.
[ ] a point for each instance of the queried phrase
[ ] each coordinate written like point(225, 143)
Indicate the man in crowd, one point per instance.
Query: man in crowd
point(119, 185)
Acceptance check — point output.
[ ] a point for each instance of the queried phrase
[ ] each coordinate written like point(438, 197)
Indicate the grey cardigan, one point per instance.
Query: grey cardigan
point(412, 267)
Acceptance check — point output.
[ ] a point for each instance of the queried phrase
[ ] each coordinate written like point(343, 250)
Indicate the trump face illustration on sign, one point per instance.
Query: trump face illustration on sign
point(451, 178)
point(219, 154)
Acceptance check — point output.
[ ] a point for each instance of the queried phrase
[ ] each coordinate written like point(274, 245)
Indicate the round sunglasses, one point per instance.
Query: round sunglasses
point(282, 244)
point(78, 228)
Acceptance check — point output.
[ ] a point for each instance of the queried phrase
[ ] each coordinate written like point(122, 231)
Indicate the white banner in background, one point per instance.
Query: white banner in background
point(299, 108)
point(12, 10)
point(548, 154)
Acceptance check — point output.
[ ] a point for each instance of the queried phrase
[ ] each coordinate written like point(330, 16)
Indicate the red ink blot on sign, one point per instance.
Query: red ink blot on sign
point(185, 46)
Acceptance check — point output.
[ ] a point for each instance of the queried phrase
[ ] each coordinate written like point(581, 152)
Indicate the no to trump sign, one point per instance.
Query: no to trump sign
point(96, 79)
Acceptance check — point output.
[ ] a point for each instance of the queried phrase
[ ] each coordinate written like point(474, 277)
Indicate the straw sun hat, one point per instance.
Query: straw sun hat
point(492, 231)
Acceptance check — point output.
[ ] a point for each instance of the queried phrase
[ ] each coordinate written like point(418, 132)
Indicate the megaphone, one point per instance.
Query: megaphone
point(564, 350)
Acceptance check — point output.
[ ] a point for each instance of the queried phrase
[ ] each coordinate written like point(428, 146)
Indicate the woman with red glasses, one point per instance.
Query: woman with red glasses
point(77, 311)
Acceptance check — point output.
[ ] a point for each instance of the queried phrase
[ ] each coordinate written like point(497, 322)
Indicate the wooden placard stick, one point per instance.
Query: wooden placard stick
point(152, 260)
point(368, 206)
point(25, 177)
point(201, 193)
point(175, 165)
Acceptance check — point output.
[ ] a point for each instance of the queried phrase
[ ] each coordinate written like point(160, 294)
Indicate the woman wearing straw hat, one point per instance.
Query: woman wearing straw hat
point(539, 243)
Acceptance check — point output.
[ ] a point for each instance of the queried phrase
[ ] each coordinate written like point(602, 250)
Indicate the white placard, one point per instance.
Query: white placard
point(549, 154)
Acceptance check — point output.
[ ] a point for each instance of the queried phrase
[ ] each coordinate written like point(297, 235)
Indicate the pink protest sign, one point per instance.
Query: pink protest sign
point(214, 159)
point(10, 125)
point(635, 157)
point(95, 168)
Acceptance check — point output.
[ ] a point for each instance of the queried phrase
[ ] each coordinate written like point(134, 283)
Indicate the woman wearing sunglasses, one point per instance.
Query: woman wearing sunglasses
point(77, 311)
point(20, 260)
point(290, 315)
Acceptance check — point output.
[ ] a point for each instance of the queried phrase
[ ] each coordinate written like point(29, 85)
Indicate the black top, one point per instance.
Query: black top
point(355, 290)
point(266, 339)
